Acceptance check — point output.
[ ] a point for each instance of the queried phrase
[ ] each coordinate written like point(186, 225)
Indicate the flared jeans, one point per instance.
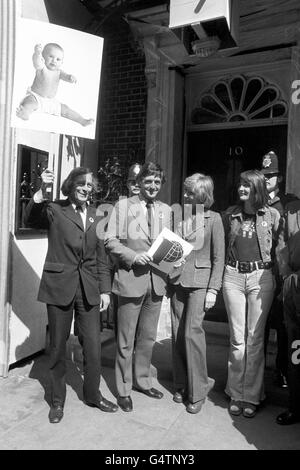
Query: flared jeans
point(248, 298)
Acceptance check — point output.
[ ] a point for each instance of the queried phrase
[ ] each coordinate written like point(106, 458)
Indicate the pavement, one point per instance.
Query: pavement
point(153, 424)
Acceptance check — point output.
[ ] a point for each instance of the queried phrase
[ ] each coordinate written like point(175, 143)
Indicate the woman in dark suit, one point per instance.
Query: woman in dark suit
point(194, 287)
point(76, 277)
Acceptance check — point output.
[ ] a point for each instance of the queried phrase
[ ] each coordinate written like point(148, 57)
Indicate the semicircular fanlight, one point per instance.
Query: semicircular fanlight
point(239, 99)
point(222, 92)
point(237, 85)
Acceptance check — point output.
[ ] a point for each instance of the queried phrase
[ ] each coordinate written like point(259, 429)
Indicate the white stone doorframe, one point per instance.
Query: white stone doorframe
point(7, 153)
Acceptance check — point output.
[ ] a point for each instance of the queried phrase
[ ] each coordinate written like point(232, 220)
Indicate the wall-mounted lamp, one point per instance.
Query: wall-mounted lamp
point(206, 47)
point(215, 23)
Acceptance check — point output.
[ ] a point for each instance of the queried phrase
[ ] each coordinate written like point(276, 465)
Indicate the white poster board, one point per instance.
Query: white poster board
point(70, 86)
point(169, 250)
point(187, 12)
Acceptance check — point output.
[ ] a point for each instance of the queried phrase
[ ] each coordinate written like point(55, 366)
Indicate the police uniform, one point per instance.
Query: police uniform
point(288, 254)
point(276, 320)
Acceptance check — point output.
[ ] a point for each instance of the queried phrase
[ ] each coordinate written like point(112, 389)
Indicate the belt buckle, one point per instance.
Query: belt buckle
point(243, 267)
point(267, 265)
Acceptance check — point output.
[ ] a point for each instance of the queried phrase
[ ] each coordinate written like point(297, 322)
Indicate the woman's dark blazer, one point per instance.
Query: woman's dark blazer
point(74, 254)
point(204, 267)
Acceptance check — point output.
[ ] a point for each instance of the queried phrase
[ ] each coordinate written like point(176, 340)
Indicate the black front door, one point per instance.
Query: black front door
point(224, 154)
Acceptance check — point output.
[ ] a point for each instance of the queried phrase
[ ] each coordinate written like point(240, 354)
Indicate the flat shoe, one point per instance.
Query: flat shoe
point(287, 417)
point(125, 403)
point(194, 407)
point(151, 392)
point(56, 414)
point(103, 405)
point(235, 407)
point(249, 410)
point(179, 395)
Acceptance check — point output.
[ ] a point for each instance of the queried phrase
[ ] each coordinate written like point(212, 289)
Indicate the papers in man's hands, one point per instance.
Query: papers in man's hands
point(169, 250)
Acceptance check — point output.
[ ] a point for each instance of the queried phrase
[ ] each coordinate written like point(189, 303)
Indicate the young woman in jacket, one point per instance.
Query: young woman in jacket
point(194, 287)
point(248, 288)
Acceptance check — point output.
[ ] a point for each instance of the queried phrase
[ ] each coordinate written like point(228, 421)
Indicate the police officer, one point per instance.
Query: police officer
point(132, 183)
point(278, 200)
point(133, 190)
point(288, 255)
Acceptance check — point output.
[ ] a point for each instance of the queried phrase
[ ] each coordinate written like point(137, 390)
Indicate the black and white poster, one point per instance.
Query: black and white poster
point(57, 79)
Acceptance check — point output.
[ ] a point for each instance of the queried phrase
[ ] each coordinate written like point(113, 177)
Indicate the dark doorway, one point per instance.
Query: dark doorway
point(223, 154)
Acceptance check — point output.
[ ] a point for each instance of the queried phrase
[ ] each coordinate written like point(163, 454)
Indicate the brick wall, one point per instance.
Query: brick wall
point(123, 99)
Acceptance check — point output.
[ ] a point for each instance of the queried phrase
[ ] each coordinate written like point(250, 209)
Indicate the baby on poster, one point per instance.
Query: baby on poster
point(41, 96)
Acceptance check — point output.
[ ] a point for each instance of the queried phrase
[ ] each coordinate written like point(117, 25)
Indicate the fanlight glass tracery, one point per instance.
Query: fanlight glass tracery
point(239, 99)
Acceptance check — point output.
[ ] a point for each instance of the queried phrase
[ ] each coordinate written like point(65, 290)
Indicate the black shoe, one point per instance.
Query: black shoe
point(125, 403)
point(104, 405)
point(194, 407)
point(56, 414)
point(179, 395)
point(280, 380)
point(288, 418)
point(151, 392)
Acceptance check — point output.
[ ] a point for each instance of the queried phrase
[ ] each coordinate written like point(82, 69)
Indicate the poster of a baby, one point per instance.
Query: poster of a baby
point(57, 79)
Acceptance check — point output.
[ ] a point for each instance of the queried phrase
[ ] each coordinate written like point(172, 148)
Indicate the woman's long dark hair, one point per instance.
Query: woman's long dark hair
point(259, 194)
